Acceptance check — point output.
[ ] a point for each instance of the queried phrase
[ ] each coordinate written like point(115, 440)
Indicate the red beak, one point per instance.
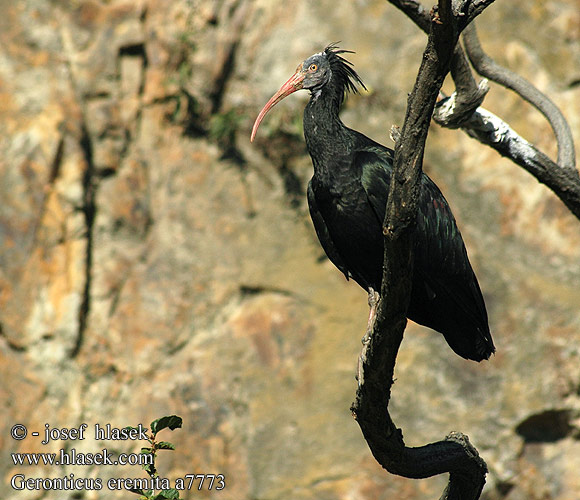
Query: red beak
point(291, 86)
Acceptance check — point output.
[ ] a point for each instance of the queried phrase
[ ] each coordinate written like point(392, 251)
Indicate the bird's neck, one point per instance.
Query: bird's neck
point(328, 141)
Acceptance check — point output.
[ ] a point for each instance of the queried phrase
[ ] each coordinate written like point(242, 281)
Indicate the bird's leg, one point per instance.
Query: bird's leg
point(373, 303)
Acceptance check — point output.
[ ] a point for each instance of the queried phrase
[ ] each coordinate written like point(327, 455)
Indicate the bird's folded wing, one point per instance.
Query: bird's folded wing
point(324, 235)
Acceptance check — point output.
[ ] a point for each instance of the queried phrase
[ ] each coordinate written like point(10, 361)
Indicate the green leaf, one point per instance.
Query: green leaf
point(145, 495)
point(150, 469)
point(171, 494)
point(171, 421)
point(146, 451)
point(138, 491)
point(164, 445)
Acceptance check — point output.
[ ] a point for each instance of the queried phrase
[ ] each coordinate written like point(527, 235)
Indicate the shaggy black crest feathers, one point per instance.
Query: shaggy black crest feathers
point(342, 68)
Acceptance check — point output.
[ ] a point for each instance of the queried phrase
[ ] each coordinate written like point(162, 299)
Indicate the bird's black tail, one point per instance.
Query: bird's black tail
point(458, 312)
point(469, 341)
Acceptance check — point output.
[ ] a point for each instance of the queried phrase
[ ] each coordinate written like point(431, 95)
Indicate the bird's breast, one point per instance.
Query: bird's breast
point(354, 231)
point(347, 213)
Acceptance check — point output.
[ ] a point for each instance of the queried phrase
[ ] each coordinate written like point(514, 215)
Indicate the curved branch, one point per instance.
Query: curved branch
point(377, 360)
point(414, 11)
point(463, 12)
point(493, 131)
point(487, 67)
point(461, 110)
point(562, 179)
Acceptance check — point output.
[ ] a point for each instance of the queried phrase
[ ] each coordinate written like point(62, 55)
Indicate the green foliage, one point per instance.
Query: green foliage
point(173, 422)
point(170, 422)
point(184, 72)
point(170, 494)
point(187, 40)
point(223, 126)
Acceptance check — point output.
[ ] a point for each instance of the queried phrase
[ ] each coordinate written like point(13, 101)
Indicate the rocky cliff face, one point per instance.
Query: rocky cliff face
point(153, 262)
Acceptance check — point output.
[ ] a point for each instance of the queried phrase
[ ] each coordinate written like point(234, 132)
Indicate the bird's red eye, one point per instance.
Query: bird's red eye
point(313, 67)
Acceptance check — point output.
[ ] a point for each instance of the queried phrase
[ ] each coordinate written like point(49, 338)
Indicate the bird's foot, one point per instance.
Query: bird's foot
point(374, 298)
point(373, 303)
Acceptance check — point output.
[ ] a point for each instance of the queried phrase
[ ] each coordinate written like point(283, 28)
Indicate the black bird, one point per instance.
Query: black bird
point(347, 197)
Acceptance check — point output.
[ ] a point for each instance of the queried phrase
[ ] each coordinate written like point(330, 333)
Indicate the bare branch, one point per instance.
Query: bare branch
point(455, 454)
point(414, 11)
point(487, 67)
point(377, 361)
point(461, 110)
point(454, 111)
point(461, 72)
point(464, 11)
point(562, 178)
point(493, 131)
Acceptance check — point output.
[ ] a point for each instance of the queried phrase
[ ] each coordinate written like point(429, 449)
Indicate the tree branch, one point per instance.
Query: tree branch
point(487, 67)
point(377, 360)
point(414, 11)
point(493, 131)
point(461, 111)
point(468, 96)
point(463, 12)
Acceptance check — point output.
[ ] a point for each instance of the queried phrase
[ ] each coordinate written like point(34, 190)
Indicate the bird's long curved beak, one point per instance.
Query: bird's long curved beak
point(293, 84)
